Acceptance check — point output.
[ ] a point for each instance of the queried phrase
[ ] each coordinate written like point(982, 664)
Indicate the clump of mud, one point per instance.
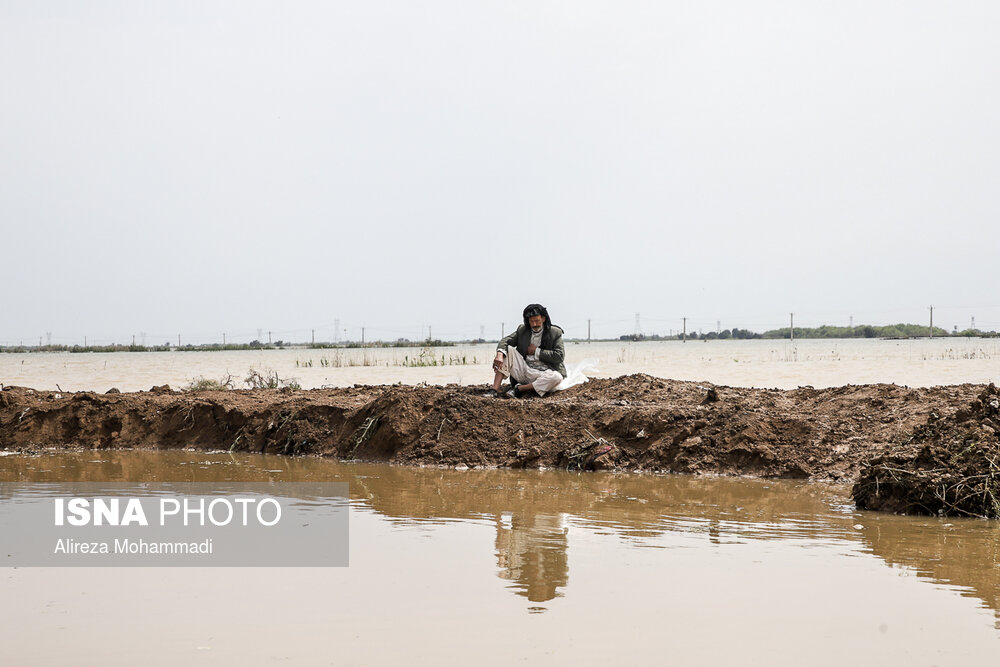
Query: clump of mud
point(949, 466)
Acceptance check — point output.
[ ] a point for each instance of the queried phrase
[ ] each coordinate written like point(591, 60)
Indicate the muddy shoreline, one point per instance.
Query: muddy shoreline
point(907, 450)
point(633, 423)
point(649, 423)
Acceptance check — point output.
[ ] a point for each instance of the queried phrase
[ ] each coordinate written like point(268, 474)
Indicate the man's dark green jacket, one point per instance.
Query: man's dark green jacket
point(551, 352)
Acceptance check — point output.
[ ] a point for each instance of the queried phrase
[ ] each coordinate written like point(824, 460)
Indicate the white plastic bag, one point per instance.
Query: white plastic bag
point(577, 374)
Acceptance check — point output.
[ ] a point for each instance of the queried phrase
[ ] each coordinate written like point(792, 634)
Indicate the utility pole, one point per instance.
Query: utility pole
point(932, 322)
point(501, 330)
point(852, 323)
point(684, 333)
point(133, 340)
point(973, 323)
point(588, 329)
point(268, 337)
point(223, 338)
point(362, 336)
point(973, 326)
point(718, 326)
point(313, 336)
point(430, 336)
point(791, 327)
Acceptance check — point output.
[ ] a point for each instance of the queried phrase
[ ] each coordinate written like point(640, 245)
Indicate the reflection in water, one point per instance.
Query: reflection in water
point(531, 552)
point(964, 554)
point(536, 514)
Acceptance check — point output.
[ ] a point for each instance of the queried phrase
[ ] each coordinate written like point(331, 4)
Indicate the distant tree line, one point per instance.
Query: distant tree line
point(210, 347)
point(114, 347)
point(725, 334)
point(861, 331)
point(825, 331)
point(400, 342)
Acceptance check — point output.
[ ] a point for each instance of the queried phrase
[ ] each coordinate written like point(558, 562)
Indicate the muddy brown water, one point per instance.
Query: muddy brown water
point(495, 566)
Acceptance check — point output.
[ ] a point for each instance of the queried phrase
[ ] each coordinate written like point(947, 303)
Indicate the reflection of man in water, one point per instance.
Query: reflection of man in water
point(532, 356)
point(532, 553)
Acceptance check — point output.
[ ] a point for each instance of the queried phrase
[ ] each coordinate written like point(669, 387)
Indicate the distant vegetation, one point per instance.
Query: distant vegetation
point(825, 331)
point(255, 379)
point(725, 334)
point(863, 331)
point(114, 347)
point(426, 359)
point(215, 347)
point(402, 342)
point(202, 383)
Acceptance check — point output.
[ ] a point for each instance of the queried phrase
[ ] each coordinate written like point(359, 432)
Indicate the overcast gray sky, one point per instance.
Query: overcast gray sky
point(208, 167)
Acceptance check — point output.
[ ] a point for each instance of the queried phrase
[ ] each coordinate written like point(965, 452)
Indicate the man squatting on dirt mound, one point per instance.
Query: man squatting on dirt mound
point(532, 357)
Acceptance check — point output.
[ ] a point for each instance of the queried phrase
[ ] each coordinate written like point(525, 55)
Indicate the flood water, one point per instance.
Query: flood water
point(739, 363)
point(495, 567)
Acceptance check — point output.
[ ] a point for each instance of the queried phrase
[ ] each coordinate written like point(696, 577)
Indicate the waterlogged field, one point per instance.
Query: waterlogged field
point(493, 567)
point(745, 363)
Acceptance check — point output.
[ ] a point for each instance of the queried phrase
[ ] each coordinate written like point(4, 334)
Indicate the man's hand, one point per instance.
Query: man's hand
point(531, 349)
point(498, 362)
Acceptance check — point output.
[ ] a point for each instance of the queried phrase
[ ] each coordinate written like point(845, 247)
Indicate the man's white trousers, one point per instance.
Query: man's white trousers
point(514, 366)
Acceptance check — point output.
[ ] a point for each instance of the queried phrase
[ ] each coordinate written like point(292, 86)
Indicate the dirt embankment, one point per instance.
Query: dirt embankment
point(634, 423)
point(949, 465)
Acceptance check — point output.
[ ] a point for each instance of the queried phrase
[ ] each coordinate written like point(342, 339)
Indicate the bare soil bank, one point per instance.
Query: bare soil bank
point(636, 422)
point(950, 465)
